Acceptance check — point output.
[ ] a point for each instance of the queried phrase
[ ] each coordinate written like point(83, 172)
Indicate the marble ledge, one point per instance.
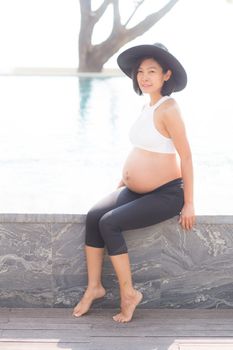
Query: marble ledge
point(80, 218)
point(42, 262)
point(42, 217)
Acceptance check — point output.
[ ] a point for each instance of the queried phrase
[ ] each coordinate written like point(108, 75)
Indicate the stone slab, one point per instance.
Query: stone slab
point(42, 263)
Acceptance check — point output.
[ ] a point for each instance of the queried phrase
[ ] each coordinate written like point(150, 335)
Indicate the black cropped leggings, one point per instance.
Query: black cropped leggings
point(127, 210)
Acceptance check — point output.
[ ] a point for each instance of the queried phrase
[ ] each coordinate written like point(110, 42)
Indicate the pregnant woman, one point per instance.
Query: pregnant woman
point(157, 177)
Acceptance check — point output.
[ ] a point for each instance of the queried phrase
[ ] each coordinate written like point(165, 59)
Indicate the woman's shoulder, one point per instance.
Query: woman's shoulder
point(170, 101)
point(170, 105)
point(170, 109)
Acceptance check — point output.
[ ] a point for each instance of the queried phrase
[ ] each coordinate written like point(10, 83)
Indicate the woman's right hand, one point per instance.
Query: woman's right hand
point(121, 184)
point(187, 217)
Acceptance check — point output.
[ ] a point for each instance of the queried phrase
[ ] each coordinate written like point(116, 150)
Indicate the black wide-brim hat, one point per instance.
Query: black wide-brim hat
point(127, 59)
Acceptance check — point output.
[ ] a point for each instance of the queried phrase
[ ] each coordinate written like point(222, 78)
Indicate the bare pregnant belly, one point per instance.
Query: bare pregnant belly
point(144, 171)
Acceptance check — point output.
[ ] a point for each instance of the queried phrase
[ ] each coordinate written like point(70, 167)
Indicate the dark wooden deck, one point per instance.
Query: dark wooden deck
point(49, 329)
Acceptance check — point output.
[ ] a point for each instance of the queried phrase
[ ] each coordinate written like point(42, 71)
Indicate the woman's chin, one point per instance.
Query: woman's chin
point(146, 89)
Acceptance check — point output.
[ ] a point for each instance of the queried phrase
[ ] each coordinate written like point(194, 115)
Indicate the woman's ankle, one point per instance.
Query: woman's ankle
point(93, 286)
point(128, 293)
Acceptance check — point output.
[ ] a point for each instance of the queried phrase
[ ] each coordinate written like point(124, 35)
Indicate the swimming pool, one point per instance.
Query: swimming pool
point(64, 139)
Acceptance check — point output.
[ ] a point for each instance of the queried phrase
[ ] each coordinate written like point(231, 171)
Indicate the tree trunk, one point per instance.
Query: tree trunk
point(93, 57)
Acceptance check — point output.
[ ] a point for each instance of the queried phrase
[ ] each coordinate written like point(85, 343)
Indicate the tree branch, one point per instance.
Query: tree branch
point(149, 21)
point(85, 6)
point(100, 11)
point(92, 57)
point(134, 11)
point(116, 15)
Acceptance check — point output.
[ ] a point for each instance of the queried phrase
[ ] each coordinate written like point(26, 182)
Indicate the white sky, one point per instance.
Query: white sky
point(44, 33)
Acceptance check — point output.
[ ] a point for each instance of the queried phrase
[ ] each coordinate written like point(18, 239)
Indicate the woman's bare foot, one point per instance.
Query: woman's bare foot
point(85, 303)
point(128, 306)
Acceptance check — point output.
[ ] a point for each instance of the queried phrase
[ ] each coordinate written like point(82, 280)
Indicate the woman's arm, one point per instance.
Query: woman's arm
point(176, 129)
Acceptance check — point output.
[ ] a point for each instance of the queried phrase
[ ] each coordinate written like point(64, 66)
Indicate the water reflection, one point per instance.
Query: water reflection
point(108, 95)
point(85, 89)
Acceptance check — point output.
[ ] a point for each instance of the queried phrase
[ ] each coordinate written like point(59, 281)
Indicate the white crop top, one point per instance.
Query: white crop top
point(143, 133)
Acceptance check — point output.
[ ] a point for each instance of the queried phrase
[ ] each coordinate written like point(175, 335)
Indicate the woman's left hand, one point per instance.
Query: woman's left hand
point(187, 217)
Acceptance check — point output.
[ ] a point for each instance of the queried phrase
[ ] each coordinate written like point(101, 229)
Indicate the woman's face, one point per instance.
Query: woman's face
point(150, 76)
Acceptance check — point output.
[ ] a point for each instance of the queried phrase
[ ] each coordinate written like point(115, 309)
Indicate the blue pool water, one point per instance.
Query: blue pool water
point(64, 139)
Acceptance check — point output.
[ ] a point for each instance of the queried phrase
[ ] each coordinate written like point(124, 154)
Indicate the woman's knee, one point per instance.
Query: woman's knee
point(105, 224)
point(91, 216)
point(92, 234)
point(112, 235)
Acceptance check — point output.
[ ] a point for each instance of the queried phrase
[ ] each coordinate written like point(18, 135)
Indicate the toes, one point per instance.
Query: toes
point(120, 318)
point(117, 318)
point(76, 313)
point(79, 310)
point(79, 313)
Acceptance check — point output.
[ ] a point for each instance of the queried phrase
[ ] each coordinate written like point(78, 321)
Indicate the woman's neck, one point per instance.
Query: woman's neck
point(155, 98)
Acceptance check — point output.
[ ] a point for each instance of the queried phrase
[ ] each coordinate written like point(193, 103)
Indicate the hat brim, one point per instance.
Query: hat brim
point(127, 59)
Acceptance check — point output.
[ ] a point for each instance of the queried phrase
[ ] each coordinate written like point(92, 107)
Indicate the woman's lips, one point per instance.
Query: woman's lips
point(145, 85)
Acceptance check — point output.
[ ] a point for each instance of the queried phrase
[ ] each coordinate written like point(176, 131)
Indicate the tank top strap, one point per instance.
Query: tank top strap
point(159, 102)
